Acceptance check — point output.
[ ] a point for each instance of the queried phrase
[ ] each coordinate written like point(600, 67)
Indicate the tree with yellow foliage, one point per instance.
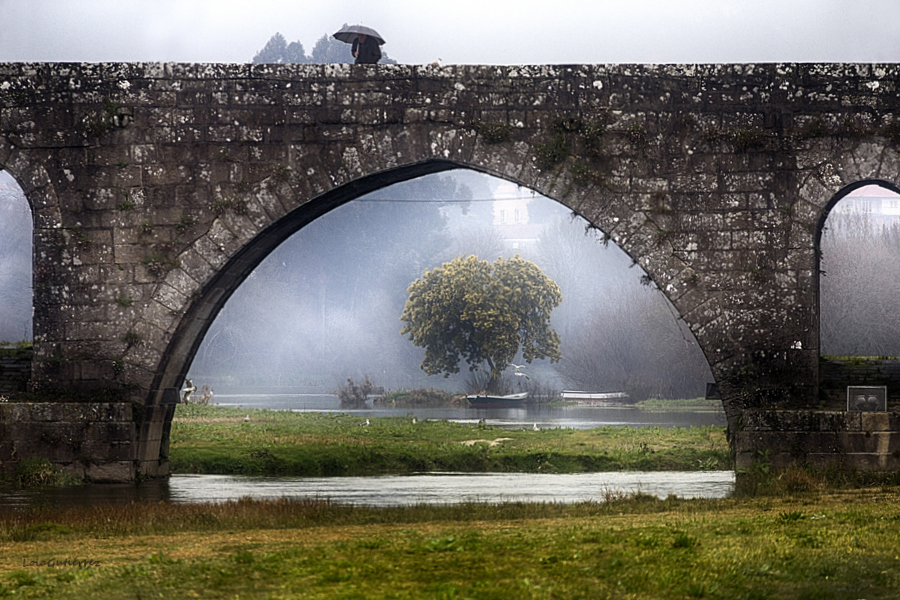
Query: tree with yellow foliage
point(483, 313)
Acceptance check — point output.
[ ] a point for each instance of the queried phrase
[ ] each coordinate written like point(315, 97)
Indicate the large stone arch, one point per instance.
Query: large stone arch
point(206, 299)
point(40, 194)
point(154, 187)
point(203, 300)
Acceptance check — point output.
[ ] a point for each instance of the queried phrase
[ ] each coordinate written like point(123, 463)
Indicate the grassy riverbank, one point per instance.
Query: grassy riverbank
point(211, 439)
point(700, 404)
point(834, 545)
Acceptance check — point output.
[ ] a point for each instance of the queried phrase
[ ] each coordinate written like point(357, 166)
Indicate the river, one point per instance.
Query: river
point(528, 415)
point(422, 488)
point(388, 490)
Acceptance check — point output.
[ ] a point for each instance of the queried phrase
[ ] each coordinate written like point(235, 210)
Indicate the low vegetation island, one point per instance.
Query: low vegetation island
point(226, 440)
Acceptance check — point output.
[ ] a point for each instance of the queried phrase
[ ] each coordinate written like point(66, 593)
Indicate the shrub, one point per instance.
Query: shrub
point(355, 395)
point(37, 471)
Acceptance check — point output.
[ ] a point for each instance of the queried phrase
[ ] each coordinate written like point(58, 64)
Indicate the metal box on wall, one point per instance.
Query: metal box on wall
point(866, 398)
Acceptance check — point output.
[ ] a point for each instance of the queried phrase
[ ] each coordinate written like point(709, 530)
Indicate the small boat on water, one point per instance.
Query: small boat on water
point(594, 398)
point(488, 401)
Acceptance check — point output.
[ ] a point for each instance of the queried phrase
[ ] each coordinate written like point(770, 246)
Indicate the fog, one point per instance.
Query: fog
point(860, 249)
point(463, 32)
point(325, 305)
point(15, 262)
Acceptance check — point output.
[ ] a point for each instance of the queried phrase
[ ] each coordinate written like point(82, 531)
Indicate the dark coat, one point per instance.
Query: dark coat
point(369, 52)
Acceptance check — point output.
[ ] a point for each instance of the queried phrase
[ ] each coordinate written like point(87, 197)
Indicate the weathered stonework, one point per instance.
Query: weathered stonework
point(836, 375)
point(157, 188)
point(863, 441)
point(15, 369)
point(96, 441)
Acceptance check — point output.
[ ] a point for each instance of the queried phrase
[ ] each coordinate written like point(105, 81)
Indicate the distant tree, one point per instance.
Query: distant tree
point(327, 50)
point(483, 313)
point(278, 51)
point(582, 265)
point(481, 241)
point(631, 341)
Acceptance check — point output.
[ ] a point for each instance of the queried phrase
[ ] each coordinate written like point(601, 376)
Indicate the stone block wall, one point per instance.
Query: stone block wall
point(15, 370)
point(97, 441)
point(865, 441)
point(835, 375)
point(157, 188)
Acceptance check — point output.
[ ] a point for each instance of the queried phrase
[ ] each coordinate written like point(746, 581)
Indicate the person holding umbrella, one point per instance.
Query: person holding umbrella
point(366, 43)
point(365, 50)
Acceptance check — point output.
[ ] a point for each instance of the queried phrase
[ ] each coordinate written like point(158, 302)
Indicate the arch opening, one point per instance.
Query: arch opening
point(330, 337)
point(16, 248)
point(859, 246)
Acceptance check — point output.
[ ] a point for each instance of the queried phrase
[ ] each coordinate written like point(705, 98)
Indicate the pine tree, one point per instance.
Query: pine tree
point(327, 50)
point(278, 51)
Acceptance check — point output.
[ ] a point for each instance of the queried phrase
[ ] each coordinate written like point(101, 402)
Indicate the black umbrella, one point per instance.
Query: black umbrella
point(348, 34)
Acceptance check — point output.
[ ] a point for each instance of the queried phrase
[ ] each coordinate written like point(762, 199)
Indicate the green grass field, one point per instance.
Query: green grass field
point(798, 539)
point(211, 439)
point(816, 545)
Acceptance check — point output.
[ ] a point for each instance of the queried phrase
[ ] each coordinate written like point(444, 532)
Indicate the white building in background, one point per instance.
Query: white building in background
point(511, 218)
point(880, 204)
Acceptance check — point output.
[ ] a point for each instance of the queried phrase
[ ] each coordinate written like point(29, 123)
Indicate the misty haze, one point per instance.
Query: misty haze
point(325, 305)
point(15, 262)
point(860, 247)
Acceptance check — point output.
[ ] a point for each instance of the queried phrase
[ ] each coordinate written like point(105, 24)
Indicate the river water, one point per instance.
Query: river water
point(423, 488)
point(388, 490)
point(528, 415)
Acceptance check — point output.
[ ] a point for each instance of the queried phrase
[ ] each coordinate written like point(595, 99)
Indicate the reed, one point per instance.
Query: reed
point(829, 544)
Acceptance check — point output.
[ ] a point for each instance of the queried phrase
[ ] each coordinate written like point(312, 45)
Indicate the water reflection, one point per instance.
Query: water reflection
point(542, 415)
point(85, 495)
point(389, 490)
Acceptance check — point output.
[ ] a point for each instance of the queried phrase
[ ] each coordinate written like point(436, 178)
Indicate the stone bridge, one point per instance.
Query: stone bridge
point(157, 188)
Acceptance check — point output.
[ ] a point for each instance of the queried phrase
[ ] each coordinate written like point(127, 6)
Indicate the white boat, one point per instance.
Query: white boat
point(594, 398)
point(489, 401)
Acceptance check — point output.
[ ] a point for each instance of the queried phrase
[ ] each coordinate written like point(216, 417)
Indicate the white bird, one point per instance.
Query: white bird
point(518, 373)
point(189, 388)
point(413, 420)
point(535, 427)
point(435, 63)
point(366, 424)
point(247, 419)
